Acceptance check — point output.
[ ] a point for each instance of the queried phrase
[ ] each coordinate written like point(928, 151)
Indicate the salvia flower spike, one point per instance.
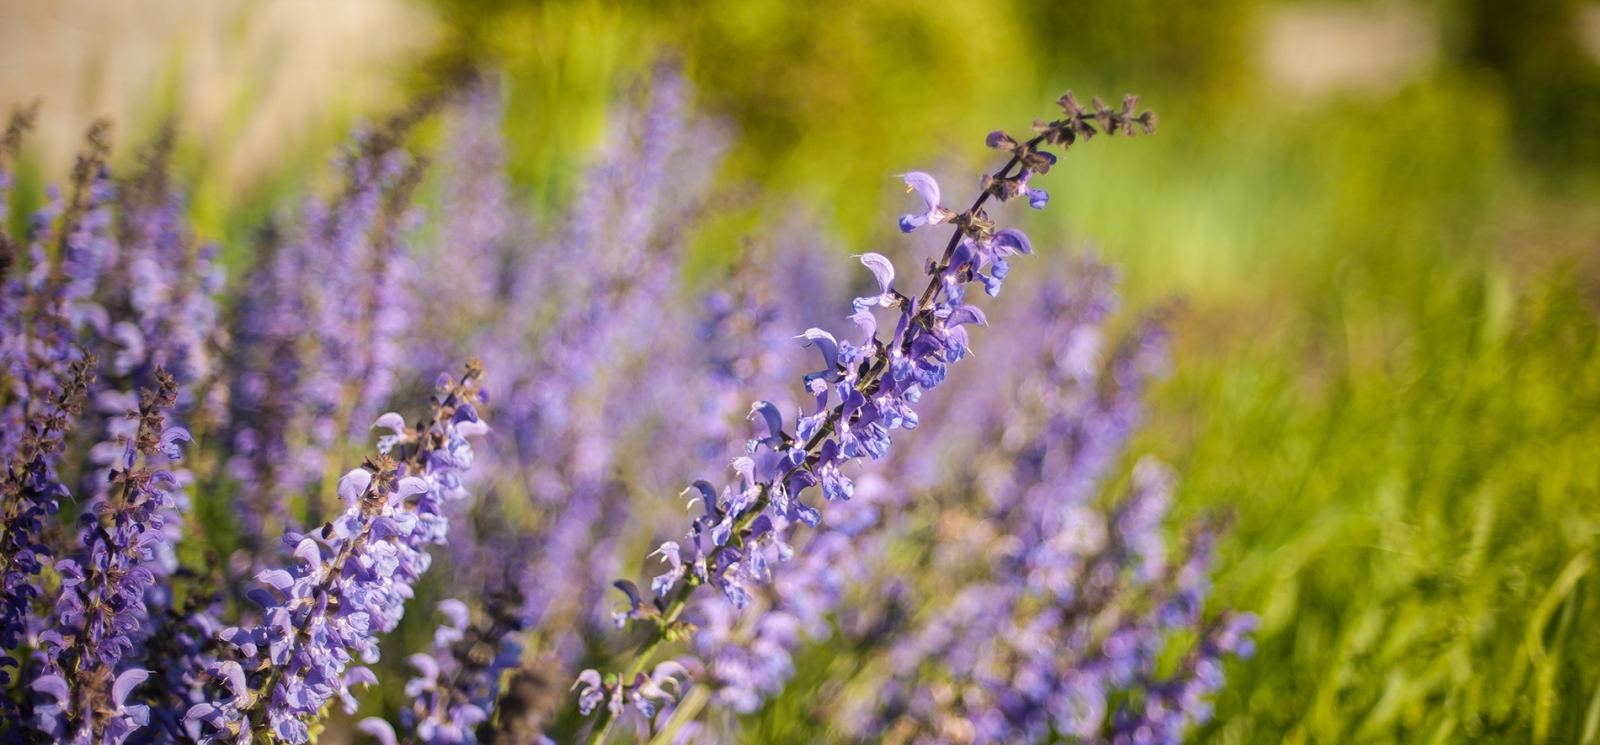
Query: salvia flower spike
point(863, 392)
point(350, 581)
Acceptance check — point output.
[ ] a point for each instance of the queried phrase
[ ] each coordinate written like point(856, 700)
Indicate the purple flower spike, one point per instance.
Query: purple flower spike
point(1077, 605)
point(299, 657)
point(862, 395)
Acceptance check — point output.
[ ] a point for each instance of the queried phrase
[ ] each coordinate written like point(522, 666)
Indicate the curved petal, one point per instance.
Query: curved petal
point(125, 684)
point(170, 437)
point(769, 412)
point(410, 486)
point(354, 484)
point(233, 674)
point(590, 678)
point(378, 728)
point(307, 551)
point(426, 665)
point(1009, 241)
point(394, 423)
point(53, 685)
point(830, 352)
point(924, 186)
point(963, 315)
point(881, 268)
point(457, 612)
point(868, 323)
point(277, 578)
point(359, 675)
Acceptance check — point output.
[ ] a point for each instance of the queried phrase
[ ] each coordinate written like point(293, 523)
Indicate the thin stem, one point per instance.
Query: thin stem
point(955, 239)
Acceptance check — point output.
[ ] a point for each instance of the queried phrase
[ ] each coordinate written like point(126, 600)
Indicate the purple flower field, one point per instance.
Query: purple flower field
point(432, 468)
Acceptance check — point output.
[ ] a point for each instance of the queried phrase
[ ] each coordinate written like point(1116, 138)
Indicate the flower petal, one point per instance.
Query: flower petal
point(392, 422)
point(426, 665)
point(767, 411)
point(1009, 241)
point(924, 186)
point(963, 315)
point(125, 684)
point(359, 675)
point(53, 685)
point(354, 484)
point(457, 612)
point(830, 353)
point(378, 728)
point(881, 268)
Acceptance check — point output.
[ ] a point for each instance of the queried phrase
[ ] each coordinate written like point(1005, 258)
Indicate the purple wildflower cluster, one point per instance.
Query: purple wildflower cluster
point(111, 329)
point(130, 617)
point(350, 581)
point(569, 403)
point(111, 274)
point(316, 346)
point(743, 531)
point(101, 614)
point(1068, 622)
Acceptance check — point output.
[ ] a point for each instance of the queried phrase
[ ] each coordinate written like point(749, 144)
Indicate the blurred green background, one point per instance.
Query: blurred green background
point(1380, 220)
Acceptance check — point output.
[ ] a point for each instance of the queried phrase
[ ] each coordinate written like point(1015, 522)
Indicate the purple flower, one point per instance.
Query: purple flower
point(644, 695)
point(861, 394)
point(928, 189)
point(571, 404)
point(1075, 605)
point(301, 655)
point(317, 343)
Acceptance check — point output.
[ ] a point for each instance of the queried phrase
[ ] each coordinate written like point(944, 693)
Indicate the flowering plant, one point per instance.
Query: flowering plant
point(134, 403)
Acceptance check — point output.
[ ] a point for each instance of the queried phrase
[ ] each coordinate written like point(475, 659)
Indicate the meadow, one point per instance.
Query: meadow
point(1357, 323)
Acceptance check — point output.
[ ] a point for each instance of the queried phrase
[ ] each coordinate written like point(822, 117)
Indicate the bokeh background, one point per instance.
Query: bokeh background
point(1375, 225)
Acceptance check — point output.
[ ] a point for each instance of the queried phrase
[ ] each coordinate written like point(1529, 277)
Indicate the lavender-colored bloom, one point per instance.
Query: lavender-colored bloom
point(30, 492)
point(179, 652)
point(317, 340)
point(45, 371)
point(48, 301)
point(1079, 604)
point(568, 342)
point(458, 287)
point(647, 696)
point(606, 395)
point(293, 664)
point(928, 189)
point(733, 544)
point(117, 719)
point(131, 289)
point(456, 686)
point(101, 609)
point(161, 291)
